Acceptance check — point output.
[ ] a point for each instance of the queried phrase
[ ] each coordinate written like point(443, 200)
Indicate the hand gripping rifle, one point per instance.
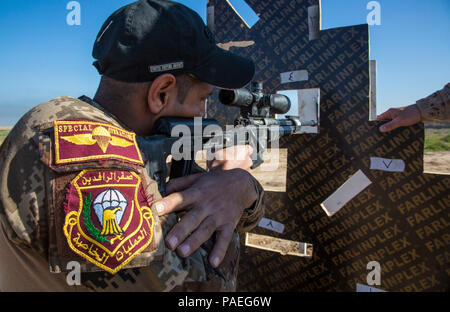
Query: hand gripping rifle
point(254, 127)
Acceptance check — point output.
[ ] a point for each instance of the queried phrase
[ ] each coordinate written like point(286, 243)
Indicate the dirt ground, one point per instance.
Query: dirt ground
point(437, 162)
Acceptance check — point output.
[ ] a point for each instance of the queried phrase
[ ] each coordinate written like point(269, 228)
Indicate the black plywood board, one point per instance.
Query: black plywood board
point(400, 220)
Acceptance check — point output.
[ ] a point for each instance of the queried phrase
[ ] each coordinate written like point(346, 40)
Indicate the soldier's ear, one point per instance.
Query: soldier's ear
point(161, 91)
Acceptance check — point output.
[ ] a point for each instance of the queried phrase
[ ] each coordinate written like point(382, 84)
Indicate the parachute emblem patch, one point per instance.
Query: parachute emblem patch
point(77, 141)
point(108, 220)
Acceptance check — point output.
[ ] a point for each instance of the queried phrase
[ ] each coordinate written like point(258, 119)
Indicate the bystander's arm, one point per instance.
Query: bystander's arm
point(435, 107)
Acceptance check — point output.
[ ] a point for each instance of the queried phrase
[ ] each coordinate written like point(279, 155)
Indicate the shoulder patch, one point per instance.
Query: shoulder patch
point(108, 219)
point(78, 141)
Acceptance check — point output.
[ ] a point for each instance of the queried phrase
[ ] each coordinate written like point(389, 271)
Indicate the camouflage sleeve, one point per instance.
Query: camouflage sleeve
point(253, 215)
point(22, 191)
point(436, 107)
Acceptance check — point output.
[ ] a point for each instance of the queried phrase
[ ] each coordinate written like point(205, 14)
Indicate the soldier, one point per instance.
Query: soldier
point(435, 107)
point(74, 195)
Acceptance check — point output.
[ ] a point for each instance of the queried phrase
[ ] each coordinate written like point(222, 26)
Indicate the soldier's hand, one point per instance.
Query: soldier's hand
point(401, 117)
point(232, 158)
point(214, 202)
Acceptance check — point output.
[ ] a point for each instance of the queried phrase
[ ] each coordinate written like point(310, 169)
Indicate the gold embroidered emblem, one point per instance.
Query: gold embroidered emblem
point(101, 136)
point(108, 217)
point(77, 141)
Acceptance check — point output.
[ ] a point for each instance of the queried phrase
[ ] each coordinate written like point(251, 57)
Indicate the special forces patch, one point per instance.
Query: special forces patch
point(77, 141)
point(108, 220)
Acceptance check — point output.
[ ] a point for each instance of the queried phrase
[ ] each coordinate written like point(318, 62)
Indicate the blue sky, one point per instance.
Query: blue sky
point(42, 57)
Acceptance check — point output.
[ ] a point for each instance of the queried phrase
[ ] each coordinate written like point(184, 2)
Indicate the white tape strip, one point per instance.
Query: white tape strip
point(355, 185)
point(271, 225)
point(294, 76)
point(314, 22)
point(390, 165)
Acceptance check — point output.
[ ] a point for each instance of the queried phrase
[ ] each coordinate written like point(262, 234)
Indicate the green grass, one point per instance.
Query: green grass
point(437, 140)
point(3, 135)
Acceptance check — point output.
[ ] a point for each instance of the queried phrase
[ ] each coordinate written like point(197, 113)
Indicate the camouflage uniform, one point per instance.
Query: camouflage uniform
point(436, 107)
point(31, 257)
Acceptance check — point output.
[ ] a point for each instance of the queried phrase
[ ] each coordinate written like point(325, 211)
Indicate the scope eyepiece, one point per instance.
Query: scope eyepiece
point(236, 98)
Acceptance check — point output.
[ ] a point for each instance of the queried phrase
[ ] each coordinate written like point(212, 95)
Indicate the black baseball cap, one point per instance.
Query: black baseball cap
point(147, 38)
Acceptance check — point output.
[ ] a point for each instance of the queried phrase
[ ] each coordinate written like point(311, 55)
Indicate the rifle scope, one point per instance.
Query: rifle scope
point(244, 98)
